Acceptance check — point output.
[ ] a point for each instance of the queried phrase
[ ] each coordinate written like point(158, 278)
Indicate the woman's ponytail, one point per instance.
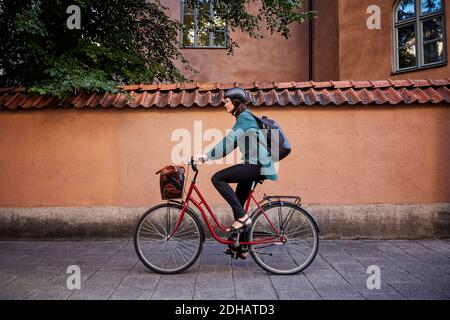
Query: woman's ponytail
point(239, 107)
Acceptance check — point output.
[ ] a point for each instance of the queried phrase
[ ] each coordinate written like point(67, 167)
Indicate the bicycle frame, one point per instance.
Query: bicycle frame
point(189, 198)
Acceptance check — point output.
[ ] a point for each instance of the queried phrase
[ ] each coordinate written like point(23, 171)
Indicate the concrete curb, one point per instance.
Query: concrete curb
point(374, 221)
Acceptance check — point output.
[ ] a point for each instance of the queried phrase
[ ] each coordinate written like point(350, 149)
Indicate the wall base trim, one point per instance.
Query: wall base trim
point(373, 221)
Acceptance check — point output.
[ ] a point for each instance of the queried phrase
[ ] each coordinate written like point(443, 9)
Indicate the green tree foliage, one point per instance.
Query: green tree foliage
point(120, 42)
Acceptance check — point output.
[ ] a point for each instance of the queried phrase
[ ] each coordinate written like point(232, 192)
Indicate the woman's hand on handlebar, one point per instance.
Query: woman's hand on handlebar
point(200, 158)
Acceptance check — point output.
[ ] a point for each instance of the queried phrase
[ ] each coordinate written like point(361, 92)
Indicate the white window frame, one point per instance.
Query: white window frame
point(417, 22)
point(211, 33)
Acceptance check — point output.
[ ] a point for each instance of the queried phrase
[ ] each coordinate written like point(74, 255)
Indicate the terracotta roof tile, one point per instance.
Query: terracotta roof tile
point(263, 85)
point(296, 97)
point(444, 92)
point(391, 95)
point(421, 96)
point(260, 93)
point(351, 96)
point(223, 86)
point(304, 85)
point(311, 97)
point(381, 84)
point(402, 83)
point(284, 97)
point(324, 97)
point(204, 99)
point(257, 98)
point(286, 85)
point(439, 82)
point(343, 84)
point(337, 98)
point(366, 96)
point(422, 83)
point(435, 97)
point(325, 84)
point(362, 84)
point(217, 98)
point(207, 86)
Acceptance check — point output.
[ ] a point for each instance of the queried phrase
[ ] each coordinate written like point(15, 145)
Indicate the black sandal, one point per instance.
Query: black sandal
point(236, 254)
point(242, 252)
point(244, 224)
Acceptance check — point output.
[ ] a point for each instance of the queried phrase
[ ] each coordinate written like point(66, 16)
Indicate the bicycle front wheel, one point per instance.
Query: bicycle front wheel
point(300, 233)
point(163, 255)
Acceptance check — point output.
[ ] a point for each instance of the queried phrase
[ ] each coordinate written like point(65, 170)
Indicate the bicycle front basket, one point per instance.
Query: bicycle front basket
point(171, 182)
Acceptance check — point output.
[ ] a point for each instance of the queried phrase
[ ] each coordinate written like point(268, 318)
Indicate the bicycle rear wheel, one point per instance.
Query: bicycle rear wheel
point(174, 255)
point(301, 235)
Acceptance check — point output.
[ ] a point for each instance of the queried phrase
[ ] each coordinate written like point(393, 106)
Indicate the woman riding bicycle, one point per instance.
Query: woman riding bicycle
point(283, 237)
point(257, 163)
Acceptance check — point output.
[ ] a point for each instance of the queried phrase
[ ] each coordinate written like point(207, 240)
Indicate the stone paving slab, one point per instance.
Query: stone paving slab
point(410, 269)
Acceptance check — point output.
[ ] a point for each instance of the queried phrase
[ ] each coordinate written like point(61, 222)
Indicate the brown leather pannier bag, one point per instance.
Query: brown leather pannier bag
point(171, 182)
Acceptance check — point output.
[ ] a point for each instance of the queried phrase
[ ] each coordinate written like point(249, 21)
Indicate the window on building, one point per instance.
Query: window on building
point(201, 26)
point(419, 33)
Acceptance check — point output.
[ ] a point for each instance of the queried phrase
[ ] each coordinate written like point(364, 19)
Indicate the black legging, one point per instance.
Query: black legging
point(243, 175)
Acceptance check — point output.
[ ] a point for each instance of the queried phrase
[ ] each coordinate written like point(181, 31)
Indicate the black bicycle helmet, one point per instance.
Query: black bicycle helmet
point(236, 93)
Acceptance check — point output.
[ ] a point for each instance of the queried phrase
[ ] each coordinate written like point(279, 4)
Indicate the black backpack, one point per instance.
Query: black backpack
point(279, 139)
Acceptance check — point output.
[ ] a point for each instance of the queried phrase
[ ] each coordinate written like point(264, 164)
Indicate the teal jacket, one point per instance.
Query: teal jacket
point(253, 152)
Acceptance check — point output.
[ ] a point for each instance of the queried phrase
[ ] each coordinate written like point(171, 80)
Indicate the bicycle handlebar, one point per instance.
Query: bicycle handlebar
point(193, 164)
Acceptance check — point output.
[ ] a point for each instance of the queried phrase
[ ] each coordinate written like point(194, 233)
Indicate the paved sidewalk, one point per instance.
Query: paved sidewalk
point(111, 270)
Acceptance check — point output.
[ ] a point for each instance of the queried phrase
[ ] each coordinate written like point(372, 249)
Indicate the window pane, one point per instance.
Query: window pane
point(204, 14)
point(219, 22)
point(188, 31)
point(432, 29)
point(203, 38)
point(188, 8)
point(406, 36)
point(433, 52)
point(204, 23)
point(219, 39)
point(430, 6)
point(407, 57)
point(406, 10)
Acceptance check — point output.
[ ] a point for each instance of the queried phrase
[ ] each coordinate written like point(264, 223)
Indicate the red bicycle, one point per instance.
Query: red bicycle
point(283, 238)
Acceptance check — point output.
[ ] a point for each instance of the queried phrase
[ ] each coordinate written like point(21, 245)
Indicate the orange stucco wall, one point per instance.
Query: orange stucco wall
point(326, 41)
point(367, 54)
point(272, 58)
point(108, 157)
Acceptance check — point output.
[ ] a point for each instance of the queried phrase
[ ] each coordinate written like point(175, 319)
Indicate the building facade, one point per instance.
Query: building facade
point(338, 45)
point(365, 109)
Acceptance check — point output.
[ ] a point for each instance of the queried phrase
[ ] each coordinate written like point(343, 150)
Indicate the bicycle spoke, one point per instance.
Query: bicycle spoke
point(161, 224)
point(184, 232)
point(168, 255)
point(299, 231)
point(148, 235)
point(155, 229)
point(280, 218)
point(184, 246)
point(295, 226)
point(188, 252)
point(269, 231)
point(182, 255)
point(182, 226)
point(288, 219)
point(293, 255)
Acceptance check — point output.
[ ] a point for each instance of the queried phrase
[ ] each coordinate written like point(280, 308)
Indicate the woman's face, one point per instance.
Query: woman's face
point(228, 105)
